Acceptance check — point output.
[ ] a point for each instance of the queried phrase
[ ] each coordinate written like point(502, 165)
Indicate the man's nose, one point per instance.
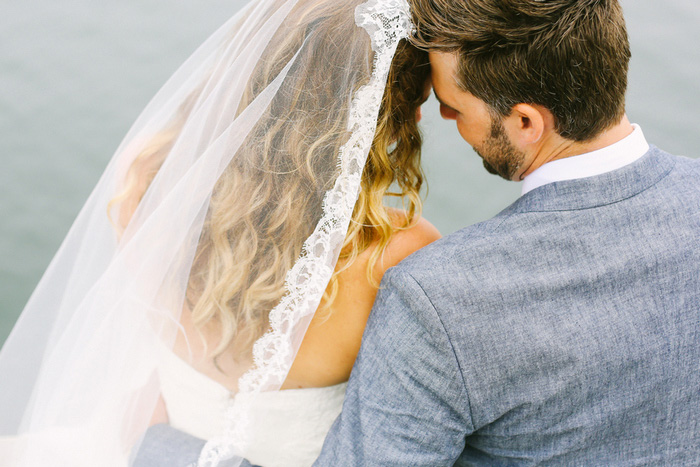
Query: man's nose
point(447, 113)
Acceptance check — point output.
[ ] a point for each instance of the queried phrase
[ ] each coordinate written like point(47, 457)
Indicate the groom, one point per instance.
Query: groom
point(566, 330)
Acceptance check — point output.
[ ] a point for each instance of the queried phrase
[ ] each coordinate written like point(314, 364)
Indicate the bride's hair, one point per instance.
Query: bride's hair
point(268, 199)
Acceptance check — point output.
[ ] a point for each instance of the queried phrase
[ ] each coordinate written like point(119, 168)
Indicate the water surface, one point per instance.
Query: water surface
point(75, 74)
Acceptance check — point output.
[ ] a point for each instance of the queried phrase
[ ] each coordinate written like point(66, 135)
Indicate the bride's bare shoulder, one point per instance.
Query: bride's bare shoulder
point(354, 279)
point(407, 241)
point(404, 242)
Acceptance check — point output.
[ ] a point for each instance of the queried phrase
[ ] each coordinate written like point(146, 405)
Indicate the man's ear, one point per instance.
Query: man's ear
point(527, 123)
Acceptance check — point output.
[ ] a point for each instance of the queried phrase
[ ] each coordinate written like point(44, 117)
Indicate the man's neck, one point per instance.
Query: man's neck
point(556, 147)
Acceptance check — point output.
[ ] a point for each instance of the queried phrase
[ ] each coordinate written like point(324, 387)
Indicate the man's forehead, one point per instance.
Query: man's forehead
point(448, 60)
point(443, 75)
point(445, 66)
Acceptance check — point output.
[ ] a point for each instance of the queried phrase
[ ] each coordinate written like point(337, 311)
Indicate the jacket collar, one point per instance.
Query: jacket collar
point(599, 190)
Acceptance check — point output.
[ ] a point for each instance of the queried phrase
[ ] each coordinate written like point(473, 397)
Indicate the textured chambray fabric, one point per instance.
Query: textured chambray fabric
point(564, 331)
point(164, 446)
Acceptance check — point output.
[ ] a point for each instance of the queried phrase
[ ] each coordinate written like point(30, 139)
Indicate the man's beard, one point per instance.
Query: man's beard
point(499, 155)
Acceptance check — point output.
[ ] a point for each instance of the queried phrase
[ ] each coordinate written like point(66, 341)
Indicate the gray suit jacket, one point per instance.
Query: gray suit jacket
point(564, 331)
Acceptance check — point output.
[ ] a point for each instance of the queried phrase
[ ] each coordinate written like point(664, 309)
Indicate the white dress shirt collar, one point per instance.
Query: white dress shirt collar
point(613, 157)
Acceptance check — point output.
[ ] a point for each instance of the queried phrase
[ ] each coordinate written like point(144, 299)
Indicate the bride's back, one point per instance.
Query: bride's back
point(269, 199)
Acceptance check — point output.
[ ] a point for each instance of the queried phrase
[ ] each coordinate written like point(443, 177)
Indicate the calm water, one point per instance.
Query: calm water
point(74, 75)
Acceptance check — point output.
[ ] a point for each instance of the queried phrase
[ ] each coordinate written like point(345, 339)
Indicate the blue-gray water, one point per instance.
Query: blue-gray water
point(74, 74)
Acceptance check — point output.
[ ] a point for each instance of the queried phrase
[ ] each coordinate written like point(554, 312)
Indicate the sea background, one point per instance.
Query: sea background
point(75, 74)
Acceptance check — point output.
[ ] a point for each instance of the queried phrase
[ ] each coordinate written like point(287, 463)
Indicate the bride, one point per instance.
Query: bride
point(220, 275)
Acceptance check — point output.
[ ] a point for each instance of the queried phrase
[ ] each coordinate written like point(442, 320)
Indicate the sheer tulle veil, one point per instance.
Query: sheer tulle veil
point(271, 118)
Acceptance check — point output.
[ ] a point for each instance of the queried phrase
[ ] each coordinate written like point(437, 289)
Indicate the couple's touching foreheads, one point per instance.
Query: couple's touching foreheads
point(252, 281)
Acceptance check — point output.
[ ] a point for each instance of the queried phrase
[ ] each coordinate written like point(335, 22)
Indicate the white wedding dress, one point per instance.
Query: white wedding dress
point(288, 427)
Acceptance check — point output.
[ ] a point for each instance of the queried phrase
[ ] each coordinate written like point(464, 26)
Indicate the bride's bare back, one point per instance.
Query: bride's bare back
point(331, 344)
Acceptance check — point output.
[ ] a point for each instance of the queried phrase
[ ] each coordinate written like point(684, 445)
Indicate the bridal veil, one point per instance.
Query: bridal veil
point(255, 148)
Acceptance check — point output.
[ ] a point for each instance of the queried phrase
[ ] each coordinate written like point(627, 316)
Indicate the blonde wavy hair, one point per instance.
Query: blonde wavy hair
point(263, 208)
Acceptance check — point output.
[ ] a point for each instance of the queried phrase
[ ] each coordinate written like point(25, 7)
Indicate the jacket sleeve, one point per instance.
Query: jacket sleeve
point(406, 402)
point(165, 446)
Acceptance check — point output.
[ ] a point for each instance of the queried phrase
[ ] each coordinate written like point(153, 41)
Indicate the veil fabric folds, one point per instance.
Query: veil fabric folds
point(254, 148)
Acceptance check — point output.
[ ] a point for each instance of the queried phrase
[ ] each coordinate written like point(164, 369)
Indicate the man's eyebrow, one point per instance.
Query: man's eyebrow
point(441, 101)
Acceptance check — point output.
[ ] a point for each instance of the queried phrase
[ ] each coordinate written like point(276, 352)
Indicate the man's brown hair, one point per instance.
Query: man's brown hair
point(570, 56)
